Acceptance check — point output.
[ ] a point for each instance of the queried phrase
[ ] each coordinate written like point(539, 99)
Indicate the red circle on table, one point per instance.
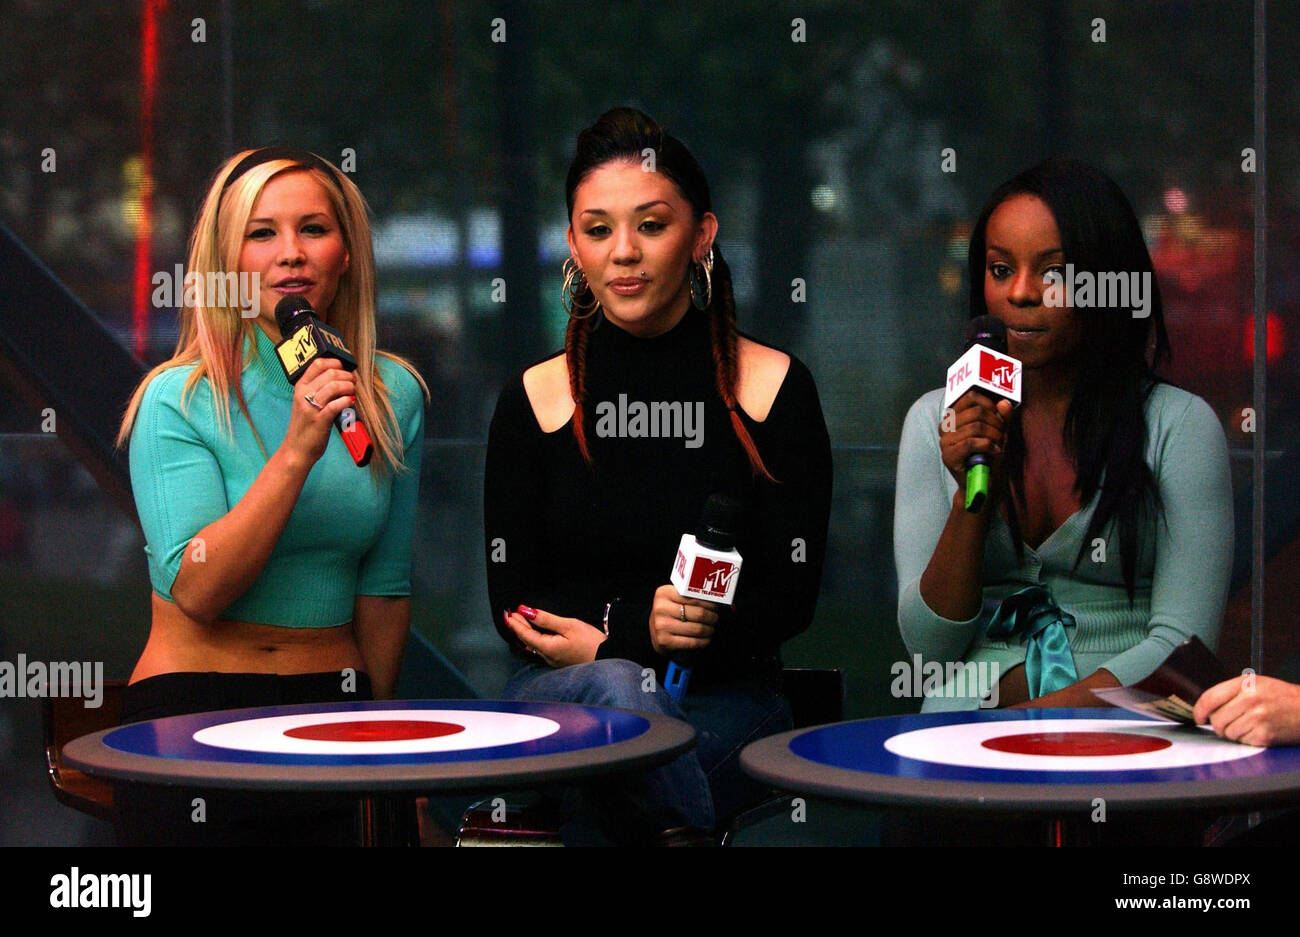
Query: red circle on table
point(374, 730)
point(1079, 744)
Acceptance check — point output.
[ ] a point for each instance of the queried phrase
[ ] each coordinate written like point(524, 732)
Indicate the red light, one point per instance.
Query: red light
point(1175, 201)
point(144, 224)
point(1274, 339)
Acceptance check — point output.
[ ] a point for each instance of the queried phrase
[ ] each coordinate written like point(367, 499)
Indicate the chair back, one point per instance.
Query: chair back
point(65, 719)
point(816, 696)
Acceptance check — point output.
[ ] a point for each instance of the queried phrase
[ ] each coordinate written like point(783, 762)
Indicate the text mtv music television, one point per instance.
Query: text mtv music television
point(712, 576)
point(998, 371)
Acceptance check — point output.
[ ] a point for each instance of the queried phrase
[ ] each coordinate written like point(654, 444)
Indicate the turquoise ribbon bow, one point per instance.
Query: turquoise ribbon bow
point(1034, 616)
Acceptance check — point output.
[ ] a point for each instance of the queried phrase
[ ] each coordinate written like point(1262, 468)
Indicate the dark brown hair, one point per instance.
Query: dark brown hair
point(624, 134)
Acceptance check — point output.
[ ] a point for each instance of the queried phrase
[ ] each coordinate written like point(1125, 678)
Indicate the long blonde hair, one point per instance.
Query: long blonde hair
point(212, 337)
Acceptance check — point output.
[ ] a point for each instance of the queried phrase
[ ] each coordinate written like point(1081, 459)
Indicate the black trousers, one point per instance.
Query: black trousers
point(154, 815)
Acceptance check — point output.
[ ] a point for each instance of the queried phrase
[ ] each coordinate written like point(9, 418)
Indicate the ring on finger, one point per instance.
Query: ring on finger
point(312, 400)
point(683, 613)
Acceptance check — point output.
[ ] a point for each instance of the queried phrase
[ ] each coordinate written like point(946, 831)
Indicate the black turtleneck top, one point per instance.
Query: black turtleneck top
point(567, 537)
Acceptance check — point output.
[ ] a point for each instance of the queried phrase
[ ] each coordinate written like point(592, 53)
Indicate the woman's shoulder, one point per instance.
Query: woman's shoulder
point(172, 407)
point(169, 388)
point(406, 388)
point(544, 388)
point(762, 373)
point(168, 379)
point(927, 408)
point(1170, 408)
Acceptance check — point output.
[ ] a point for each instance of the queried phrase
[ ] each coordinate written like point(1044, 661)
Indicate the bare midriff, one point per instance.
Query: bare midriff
point(179, 644)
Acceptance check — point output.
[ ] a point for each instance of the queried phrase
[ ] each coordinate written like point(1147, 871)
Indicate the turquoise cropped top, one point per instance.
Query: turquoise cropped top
point(349, 533)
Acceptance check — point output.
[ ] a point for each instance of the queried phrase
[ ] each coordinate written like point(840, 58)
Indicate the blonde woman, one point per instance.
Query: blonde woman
point(280, 570)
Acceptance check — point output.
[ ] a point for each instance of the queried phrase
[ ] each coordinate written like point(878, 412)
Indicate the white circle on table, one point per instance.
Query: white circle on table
point(962, 745)
point(480, 730)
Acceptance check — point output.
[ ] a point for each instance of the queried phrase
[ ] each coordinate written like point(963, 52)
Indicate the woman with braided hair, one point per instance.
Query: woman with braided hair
point(601, 456)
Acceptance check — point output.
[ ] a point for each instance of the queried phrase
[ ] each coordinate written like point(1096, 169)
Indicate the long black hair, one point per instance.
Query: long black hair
point(1105, 425)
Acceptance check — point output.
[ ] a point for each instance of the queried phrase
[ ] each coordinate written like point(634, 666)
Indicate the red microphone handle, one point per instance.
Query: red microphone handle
point(355, 436)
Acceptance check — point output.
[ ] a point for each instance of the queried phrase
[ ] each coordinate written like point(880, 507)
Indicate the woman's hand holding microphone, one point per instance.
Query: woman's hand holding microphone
point(320, 395)
point(681, 623)
point(975, 424)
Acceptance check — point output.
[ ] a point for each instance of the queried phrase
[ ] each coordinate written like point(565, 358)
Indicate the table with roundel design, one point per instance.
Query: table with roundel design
point(1042, 761)
point(382, 746)
point(378, 750)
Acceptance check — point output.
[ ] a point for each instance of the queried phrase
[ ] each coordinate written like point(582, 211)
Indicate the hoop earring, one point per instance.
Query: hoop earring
point(702, 294)
point(575, 282)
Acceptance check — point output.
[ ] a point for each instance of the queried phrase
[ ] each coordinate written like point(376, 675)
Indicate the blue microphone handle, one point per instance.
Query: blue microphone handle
point(676, 680)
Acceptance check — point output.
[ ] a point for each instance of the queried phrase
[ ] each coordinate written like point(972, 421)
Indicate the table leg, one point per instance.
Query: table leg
point(366, 822)
point(387, 821)
point(1181, 830)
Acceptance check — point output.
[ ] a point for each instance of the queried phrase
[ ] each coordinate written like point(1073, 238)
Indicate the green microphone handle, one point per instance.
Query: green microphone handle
point(977, 487)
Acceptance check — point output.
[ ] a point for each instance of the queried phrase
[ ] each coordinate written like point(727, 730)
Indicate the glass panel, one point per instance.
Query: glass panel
point(846, 168)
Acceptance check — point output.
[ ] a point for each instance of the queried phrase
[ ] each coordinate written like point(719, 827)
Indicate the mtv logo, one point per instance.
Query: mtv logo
point(1001, 372)
point(305, 348)
point(712, 576)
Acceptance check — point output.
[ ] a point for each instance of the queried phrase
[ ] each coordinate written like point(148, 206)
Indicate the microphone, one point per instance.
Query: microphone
point(304, 339)
point(707, 567)
point(986, 366)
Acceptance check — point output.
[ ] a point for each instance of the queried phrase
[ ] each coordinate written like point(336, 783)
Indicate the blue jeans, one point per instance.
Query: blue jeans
point(696, 789)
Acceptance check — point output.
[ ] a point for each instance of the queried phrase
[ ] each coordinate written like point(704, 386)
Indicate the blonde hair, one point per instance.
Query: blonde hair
point(212, 337)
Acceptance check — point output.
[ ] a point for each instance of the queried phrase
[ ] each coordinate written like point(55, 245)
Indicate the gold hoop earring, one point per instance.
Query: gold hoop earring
point(575, 282)
point(702, 294)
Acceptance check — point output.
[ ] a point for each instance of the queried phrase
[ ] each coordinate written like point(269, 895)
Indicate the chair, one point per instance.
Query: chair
point(816, 697)
point(529, 819)
point(65, 719)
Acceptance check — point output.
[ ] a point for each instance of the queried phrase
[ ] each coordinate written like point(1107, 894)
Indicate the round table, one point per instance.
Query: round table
point(383, 747)
point(1054, 762)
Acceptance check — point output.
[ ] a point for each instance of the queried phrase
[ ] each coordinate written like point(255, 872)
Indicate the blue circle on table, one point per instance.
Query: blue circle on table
point(860, 746)
point(581, 727)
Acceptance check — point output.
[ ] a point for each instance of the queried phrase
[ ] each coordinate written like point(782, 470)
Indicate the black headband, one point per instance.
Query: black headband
point(268, 153)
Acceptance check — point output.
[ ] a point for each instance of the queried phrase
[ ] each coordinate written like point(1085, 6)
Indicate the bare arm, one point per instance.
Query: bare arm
point(1015, 695)
point(952, 583)
point(228, 555)
point(381, 624)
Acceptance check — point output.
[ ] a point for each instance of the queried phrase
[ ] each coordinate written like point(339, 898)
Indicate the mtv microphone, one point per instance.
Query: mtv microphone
point(707, 567)
point(986, 367)
point(306, 338)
